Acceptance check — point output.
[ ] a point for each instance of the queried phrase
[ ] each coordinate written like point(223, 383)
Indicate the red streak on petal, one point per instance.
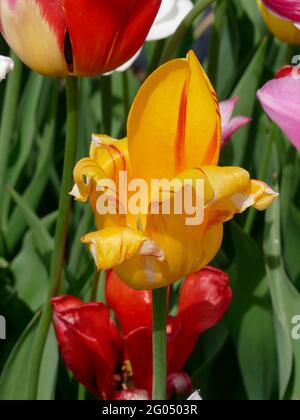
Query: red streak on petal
point(212, 148)
point(53, 13)
point(181, 130)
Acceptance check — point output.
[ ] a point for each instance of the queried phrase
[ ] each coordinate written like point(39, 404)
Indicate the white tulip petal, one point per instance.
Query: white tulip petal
point(126, 65)
point(170, 16)
point(6, 65)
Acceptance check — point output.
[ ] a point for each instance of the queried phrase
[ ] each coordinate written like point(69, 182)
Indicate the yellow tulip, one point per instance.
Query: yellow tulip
point(282, 28)
point(174, 132)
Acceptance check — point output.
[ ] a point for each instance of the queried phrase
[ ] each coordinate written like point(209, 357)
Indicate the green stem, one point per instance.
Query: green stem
point(106, 103)
point(159, 305)
point(60, 237)
point(263, 172)
point(12, 90)
point(95, 285)
point(215, 41)
point(157, 54)
point(176, 40)
point(126, 95)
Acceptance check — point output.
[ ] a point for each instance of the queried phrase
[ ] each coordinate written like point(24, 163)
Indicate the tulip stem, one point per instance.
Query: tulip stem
point(262, 174)
point(159, 340)
point(12, 90)
point(106, 103)
point(176, 40)
point(126, 94)
point(60, 238)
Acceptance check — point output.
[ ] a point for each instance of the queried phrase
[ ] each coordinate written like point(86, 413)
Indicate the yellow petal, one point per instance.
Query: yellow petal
point(283, 29)
point(85, 171)
point(108, 157)
point(113, 246)
point(110, 154)
point(174, 123)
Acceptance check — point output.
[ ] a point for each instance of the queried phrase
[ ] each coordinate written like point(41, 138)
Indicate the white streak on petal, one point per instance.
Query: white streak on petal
point(151, 249)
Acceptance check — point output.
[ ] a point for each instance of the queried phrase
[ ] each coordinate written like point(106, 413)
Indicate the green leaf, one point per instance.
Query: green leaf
point(250, 318)
point(13, 376)
point(33, 193)
point(30, 274)
point(246, 90)
point(49, 368)
point(286, 304)
point(43, 240)
point(13, 382)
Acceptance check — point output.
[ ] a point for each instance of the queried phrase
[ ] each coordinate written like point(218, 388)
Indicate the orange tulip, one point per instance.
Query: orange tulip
point(174, 133)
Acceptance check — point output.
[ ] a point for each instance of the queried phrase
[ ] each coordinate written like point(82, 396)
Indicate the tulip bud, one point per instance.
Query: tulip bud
point(179, 384)
point(81, 38)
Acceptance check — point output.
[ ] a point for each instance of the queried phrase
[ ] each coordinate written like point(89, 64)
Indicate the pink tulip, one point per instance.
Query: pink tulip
point(230, 125)
point(280, 98)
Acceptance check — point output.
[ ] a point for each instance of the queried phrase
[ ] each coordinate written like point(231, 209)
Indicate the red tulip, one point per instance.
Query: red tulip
point(94, 350)
point(76, 37)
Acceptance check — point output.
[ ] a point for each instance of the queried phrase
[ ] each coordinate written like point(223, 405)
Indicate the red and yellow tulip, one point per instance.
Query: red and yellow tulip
point(82, 37)
point(174, 132)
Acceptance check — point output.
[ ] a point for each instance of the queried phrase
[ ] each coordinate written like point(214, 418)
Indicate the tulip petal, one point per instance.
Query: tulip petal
point(132, 395)
point(230, 125)
point(113, 246)
point(6, 65)
point(40, 41)
point(108, 157)
point(105, 35)
point(280, 99)
point(289, 9)
point(170, 16)
point(133, 308)
point(84, 336)
point(204, 298)
point(174, 123)
point(283, 29)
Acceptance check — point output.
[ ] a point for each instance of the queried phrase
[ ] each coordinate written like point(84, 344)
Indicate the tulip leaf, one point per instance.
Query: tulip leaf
point(246, 90)
point(43, 240)
point(27, 130)
point(13, 382)
point(30, 274)
point(250, 319)
point(286, 305)
point(34, 191)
